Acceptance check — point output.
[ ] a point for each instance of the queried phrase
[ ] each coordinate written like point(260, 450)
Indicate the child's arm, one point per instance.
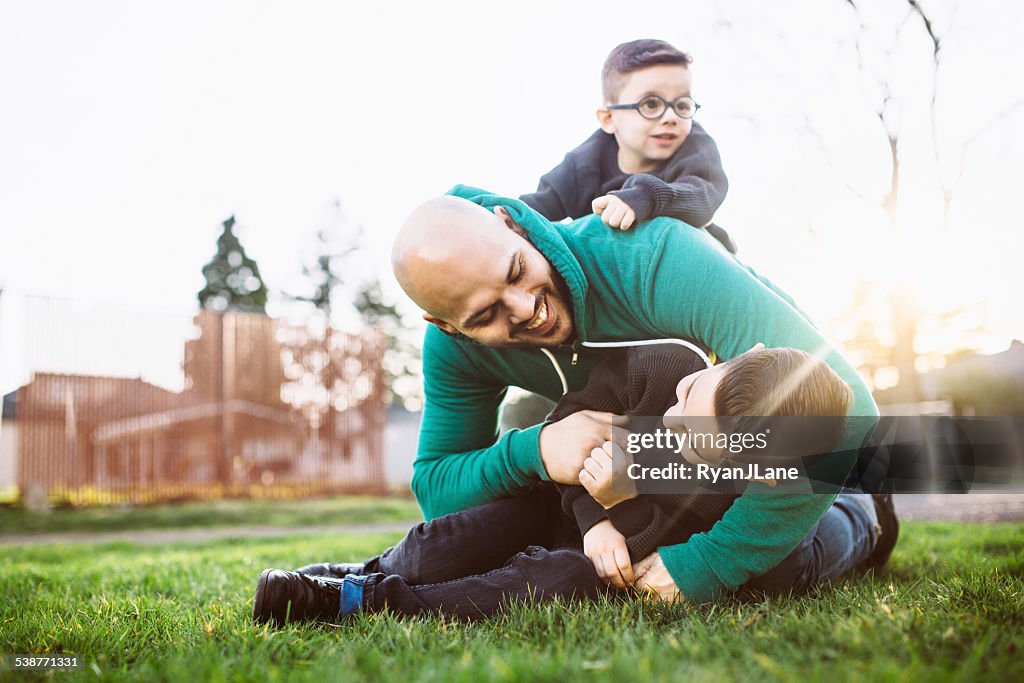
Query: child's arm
point(642, 523)
point(554, 190)
point(568, 188)
point(605, 391)
point(579, 506)
point(690, 188)
point(607, 550)
point(603, 543)
point(616, 537)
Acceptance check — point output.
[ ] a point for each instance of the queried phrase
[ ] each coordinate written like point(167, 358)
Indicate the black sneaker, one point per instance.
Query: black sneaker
point(888, 529)
point(283, 596)
point(337, 571)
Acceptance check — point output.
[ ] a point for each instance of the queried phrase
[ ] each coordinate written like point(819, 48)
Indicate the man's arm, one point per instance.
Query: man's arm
point(729, 309)
point(756, 533)
point(694, 187)
point(460, 460)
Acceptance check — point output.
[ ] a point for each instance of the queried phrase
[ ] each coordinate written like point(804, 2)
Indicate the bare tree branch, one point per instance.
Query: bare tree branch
point(929, 27)
point(948, 190)
point(1005, 114)
point(816, 134)
point(915, 5)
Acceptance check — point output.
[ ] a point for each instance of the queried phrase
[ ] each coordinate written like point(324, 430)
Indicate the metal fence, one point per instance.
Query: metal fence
point(123, 406)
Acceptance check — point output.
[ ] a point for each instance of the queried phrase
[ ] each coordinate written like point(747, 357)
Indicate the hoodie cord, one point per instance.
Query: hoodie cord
point(708, 361)
point(558, 369)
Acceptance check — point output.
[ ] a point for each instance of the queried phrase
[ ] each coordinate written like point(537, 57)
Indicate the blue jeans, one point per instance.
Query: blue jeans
point(841, 540)
point(470, 564)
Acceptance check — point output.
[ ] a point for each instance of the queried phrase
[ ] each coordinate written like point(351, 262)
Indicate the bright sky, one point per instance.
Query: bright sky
point(129, 131)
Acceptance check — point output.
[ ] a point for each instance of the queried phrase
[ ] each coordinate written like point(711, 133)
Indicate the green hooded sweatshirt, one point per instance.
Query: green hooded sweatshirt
point(661, 280)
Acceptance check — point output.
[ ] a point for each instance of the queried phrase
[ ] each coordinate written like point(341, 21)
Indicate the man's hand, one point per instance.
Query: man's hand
point(565, 444)
point(614, 212)
point(601, 469)
point(606, 548)
point(653, 579)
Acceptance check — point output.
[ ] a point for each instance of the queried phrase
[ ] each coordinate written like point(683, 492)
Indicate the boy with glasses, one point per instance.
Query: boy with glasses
point(649, 158)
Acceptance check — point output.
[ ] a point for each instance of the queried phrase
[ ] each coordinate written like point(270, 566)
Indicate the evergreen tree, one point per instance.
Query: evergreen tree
point(233, 280)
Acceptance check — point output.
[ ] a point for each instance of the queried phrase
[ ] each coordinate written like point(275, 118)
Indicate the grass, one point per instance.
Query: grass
point(950, 608)
point(291, 512)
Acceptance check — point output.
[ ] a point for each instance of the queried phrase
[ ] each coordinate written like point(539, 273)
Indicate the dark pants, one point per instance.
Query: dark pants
point(471, 563)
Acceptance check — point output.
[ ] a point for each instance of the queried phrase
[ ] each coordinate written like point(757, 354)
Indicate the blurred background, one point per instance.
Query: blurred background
point(198, 202)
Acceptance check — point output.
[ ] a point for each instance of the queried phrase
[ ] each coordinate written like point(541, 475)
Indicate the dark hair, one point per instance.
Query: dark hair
point(633, 56)
point(785, 383)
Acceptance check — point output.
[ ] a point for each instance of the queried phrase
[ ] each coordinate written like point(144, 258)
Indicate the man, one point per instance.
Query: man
point(516, 300)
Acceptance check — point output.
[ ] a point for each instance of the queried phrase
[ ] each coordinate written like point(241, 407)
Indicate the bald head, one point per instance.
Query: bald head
point(475, 272)
point(440, 236)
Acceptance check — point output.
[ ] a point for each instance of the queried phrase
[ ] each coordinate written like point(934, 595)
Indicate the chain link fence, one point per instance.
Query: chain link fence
point(112, 405)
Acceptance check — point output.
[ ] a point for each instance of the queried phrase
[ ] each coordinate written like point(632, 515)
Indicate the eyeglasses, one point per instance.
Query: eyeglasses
point(653, 107)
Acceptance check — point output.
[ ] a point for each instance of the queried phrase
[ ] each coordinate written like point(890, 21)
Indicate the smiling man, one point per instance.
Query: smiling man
point(472, 276)
point(516, 300)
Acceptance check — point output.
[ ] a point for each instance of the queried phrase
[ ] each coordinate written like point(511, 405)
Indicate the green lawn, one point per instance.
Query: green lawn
point(951, 608)
point(340, 510)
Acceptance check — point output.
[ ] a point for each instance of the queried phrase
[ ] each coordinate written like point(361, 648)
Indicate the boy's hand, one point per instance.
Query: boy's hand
point(606, 548)
point(614, 212)
point(599, 472)
point(653, 579)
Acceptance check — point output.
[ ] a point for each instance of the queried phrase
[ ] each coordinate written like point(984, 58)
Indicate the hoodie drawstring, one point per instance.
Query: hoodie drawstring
point(558, 369)
point(708, 360)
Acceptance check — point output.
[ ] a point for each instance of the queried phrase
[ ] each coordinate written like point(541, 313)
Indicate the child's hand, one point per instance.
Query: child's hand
point(606, 548)
point(599, 472)
point(614, 212)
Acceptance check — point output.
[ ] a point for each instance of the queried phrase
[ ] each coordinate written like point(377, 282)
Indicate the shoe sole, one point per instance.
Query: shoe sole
point(887, 541)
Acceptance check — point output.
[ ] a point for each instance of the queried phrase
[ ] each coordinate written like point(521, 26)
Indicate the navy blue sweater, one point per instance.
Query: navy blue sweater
point(640, 382)
point(690, 186)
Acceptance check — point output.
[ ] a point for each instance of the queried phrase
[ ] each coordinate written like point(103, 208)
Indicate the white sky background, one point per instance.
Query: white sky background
point(129, 131)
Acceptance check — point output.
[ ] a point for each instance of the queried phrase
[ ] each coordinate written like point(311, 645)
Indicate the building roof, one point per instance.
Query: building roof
point(9, 409)
point(102, 397)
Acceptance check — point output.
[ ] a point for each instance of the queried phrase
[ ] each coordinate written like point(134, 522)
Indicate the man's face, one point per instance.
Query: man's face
point(646, 144)
point(502, 292)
